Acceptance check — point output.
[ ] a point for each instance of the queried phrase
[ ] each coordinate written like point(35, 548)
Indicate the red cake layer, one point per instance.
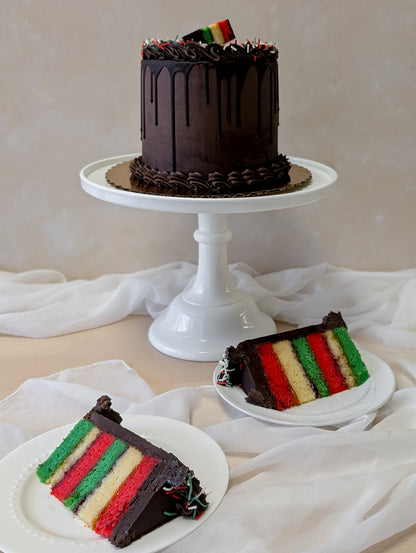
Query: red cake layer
point(75, 475)
point(226, 30)
point(121, 501)
point(334, 379)
point(276, 378)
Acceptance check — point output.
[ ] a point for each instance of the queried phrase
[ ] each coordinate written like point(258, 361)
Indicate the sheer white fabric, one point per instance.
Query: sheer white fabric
point(298, 489)
point(43, 303)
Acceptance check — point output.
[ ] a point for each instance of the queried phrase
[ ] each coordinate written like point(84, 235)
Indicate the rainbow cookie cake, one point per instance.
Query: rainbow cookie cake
point(295, 367)
point(209, 119)
point(116, 482)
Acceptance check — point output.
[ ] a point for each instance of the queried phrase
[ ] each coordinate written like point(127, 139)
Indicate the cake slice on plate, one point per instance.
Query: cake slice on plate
point(119, 484)
point(295, 367)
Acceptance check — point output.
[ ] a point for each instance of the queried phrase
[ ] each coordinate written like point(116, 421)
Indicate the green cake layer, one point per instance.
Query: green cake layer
point(310, 365)
point(96, 475)
point(46, 469)
point(352, 354)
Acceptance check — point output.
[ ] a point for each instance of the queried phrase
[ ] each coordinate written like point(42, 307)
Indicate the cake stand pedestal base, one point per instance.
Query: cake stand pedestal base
point(210, 313)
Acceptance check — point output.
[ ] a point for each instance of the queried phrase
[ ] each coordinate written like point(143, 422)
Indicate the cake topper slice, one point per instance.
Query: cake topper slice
point(220, 32)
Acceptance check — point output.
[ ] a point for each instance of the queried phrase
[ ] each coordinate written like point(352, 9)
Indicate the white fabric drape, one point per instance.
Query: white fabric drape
point(43, 303)
point(298, 489)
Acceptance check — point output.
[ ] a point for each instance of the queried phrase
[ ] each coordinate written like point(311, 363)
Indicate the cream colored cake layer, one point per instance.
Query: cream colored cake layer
point(216, 33)
point(73, 457)
point(101, 496)
point(336, 351)
point(294, 371)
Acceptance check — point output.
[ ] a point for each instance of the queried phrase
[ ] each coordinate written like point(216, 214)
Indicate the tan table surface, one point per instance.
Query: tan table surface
point(23, 358)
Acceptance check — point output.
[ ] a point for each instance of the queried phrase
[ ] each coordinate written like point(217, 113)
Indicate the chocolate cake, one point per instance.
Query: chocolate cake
point(209, 118)
point(119, 484)
point(295, 367)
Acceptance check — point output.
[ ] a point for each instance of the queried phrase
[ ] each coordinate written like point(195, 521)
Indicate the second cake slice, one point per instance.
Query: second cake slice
point(295, 367)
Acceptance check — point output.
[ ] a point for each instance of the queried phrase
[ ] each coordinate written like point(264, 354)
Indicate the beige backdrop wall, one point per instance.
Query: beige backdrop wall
point(70, 96)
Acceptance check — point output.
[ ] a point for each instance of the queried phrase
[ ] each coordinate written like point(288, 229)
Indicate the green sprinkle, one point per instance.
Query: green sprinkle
point(190, 486)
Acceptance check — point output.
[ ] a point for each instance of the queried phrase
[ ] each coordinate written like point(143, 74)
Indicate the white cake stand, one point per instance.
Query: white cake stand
point(210, 313)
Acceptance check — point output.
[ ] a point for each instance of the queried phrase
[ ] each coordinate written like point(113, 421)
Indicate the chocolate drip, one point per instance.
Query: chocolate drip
point(206, 84)
point(155, 70)
point(229, 82)
point(219, 103)
point(154, 74)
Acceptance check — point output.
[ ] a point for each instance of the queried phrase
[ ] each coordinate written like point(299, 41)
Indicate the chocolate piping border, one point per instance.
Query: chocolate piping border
point(120, 177)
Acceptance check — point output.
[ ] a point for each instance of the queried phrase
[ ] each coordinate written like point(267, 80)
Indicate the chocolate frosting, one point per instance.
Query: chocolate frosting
point(164, 184)
point(209, 122)
point(272, 175)
point(329, 322)
point(210, 109)
point(214, 53)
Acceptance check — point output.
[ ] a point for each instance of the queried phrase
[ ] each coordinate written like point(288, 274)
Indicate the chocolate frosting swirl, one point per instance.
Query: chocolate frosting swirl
point(273, 175)
point(195, 51)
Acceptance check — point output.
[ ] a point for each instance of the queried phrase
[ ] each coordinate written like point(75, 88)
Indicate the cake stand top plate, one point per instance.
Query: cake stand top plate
point(93, 182)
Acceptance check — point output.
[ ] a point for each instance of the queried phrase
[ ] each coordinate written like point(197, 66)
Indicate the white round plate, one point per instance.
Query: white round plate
point(34, 521)
point(327, 411)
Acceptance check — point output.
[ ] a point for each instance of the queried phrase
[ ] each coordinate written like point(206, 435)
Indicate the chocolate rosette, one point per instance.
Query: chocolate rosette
point(215, 183)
